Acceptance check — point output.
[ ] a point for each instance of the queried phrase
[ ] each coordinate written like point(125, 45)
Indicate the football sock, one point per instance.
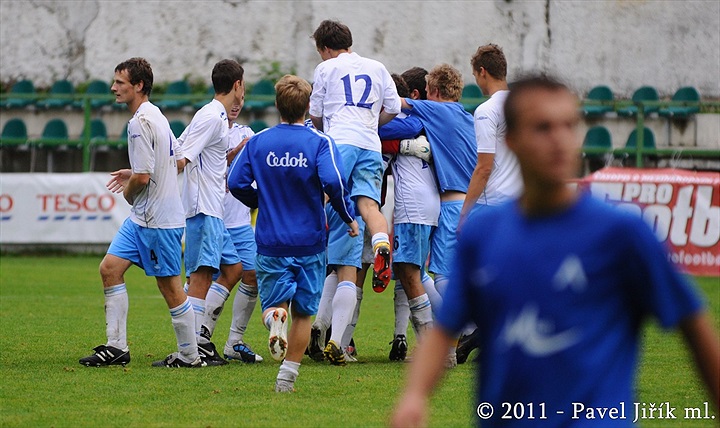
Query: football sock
point(441, 282)
point(325, 308)
point(435, 299)
point(186, 287)
point(198, 306)
point(350, 330)
point(116, 310)
point(420, 313)
point(402, 309)
point(343, 306)
point(242, 309)
point(289, 371)
point(214, 304)
point(380, 238)
point(183, 321)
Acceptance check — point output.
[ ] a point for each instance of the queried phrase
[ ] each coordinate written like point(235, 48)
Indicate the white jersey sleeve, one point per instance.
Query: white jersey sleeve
point(236, 214)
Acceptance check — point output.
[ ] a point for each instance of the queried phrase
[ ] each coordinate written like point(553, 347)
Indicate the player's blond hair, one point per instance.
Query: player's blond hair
point(447, 79)
point(292, 98)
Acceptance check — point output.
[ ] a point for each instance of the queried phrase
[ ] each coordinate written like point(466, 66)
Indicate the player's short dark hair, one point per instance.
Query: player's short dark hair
point(332, 34)
point(525, 85)
point(138, 70)
point(415, 79)
point(492, 59)
point(402, 87)
point(225, 74)
point(292, 97)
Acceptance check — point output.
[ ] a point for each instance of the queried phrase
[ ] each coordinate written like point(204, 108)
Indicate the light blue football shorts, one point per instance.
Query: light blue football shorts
point(157, 251)
point(207, 243)
point(363, 170)
point(411, 243)
point(444, 238)
point(243, 238)
point(298, 280)
point(343, 249)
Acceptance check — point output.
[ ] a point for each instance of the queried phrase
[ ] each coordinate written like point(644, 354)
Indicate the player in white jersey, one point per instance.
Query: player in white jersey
point(208, 245)
point(351, 97)
point(496, 178)
point(151, 236)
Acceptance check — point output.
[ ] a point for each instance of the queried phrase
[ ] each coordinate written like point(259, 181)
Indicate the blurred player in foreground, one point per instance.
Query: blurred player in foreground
point(559, 284)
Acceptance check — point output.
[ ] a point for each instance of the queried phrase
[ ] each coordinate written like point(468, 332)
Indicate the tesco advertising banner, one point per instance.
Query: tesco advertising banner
point(682, 207)
point(59, 209)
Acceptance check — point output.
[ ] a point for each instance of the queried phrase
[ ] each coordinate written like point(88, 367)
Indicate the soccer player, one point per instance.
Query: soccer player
point(351, 97)
point(151, 236)
point(558, 283)
point(208, 245)
point(496, 178)
point(294, 166)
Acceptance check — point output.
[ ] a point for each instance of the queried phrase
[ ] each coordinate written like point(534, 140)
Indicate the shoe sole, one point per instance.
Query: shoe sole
point(277, 342)
point(381, 270)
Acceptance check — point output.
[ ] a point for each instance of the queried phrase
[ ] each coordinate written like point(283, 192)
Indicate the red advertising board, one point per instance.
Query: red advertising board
point(682, 207)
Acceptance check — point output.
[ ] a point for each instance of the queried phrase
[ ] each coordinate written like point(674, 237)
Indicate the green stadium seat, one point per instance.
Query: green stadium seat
point(598, 93)
point(98, 131)
point(684, 94)
point(648, 143)
point(471, 97)
point(177, 127)
point(261, 96)
point(21, 95)
point(60, 95)
point(599, 141)
point(14, 133)
point(14, 137)
point(176, 96)
point(99, 93)
point(645, 93)
point(258, 125)
point(54, 134)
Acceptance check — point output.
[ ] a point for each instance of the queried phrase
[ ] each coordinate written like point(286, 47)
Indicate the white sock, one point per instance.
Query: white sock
point(435, 298)
point(380, 238)
point(198, 306)
point(441, 282)
point(323, 319)
point(214, 304)
point(289, 371)
point(186, 287)
point(183, 321)
point(116, 310)
point(350, 330)
point(343, 305)
point(420, 312)
point(242, 309)
point(402, 309)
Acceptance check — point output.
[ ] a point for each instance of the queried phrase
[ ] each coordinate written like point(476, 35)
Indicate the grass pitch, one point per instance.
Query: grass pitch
point(51, 314)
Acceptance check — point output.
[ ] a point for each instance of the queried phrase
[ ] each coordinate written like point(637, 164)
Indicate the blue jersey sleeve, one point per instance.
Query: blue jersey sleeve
point(400, 129)
point(240, 179)
point(333, 179)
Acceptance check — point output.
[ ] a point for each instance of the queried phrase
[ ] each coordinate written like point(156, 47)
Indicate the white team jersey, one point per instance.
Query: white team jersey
point(417, 199)
point(236, 213)
point(204, 143)
point(348, 93)
point(505, 181)
point(151, 146)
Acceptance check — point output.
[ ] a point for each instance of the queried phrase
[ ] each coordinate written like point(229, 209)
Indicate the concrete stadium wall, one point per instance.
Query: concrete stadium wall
point(622, 43)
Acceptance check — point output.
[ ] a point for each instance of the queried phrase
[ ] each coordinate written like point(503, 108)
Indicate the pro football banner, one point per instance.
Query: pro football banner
point(682, 207)
point(59, 209)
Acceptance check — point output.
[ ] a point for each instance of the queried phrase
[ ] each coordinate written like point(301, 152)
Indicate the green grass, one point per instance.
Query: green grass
point(51, 314)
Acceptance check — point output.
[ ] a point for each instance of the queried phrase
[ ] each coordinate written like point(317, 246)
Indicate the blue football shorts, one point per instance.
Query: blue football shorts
point(411, 243)
point(343, 249)
point(444, 238)
point(364, 171)
point(207, 243)
point(243, 238)
point(298, 280)
point(157, 251)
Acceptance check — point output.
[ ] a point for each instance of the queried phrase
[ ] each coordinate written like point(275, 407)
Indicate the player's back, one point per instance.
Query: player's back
point(151, 146)
point(349, 92)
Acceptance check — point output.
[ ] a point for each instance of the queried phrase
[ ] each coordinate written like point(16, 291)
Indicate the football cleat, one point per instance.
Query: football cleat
point(173, 360)
point(334, 354)
point(381, 268)
point(106, 356)
point(398, 352)
point(209, 354)
point(241, 352)
point(316, 345)
point(466, 344)
point(277, 342)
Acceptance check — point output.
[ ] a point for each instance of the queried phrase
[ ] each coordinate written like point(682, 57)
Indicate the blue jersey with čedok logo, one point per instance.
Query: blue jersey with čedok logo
point(293, 166)
point(559, 301)
point(451, 133)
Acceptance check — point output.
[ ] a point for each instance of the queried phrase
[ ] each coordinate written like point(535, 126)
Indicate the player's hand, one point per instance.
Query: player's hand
point(119, 180)
point(354, 229)
point(235, 150)
point(411, 411)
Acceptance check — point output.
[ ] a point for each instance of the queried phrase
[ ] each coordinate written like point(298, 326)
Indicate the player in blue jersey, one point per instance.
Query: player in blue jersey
point(351, 97)
point(294, 167)
point(151, 236)
point(559, 285)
